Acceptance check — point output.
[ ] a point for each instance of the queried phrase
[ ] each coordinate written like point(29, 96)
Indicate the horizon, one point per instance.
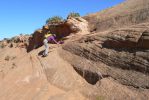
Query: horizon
point(26, 16)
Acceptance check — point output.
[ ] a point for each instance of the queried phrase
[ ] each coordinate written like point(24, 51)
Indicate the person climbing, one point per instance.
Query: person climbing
point(48, 38)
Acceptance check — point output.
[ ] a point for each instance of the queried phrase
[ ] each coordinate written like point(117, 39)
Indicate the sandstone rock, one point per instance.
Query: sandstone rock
point(123, 15)
point(144, 40)
point(104, 65)
point(63, 29)
point(20, 39)
point(22, 45)
point(121, 50)
point(77, 25)
point(134, 37)
point(17, 41)
point(36, 40)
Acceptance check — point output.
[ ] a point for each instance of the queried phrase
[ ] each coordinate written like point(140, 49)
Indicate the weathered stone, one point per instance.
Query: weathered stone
point(121, 50)
point(72, 25)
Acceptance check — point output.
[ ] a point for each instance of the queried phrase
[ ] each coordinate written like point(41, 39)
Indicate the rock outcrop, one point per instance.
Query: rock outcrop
point(18, 41)
point(36, 40)
point(125, 51)
point(72, 25)
point(110, 62)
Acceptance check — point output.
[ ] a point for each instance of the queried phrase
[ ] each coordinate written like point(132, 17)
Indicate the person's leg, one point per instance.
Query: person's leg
point(46, 47)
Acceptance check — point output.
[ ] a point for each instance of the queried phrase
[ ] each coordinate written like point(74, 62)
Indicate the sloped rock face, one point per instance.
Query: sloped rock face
point(63, 29)
point(128, 13)
point(125, 51)
point(130, 38)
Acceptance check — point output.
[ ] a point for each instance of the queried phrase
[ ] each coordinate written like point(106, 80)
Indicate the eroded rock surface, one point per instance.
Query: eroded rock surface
point(63, 29)
point(130, 12)
point(123, 50)
point(111, 64)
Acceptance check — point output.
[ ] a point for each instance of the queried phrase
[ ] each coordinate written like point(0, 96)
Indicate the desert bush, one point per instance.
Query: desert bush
point(14, 57)
point(11, 45)
point(7, 58)
point(13, 39)
point(2, 46)
point(53, 20)
point(13, 64)
point(73, 14)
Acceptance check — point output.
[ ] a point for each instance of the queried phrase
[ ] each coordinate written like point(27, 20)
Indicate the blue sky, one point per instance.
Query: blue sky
point(25, 16)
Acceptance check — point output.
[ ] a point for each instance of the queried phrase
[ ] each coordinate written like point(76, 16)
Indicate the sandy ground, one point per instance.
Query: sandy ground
point(28, 76)
point(23, 77)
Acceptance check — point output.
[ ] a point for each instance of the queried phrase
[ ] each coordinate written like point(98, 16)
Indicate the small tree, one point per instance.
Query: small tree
point(73, 14)
point(55, 19)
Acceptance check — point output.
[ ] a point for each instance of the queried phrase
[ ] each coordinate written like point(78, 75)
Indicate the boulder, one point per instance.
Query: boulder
point(77, 24)
point(144, 40)
point(36, 40)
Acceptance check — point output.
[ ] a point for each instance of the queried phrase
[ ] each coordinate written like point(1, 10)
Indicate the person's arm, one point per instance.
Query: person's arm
point(54, 40)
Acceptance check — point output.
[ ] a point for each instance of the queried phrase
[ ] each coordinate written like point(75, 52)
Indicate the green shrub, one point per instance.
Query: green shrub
point(73, 14)
point(53, 20)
